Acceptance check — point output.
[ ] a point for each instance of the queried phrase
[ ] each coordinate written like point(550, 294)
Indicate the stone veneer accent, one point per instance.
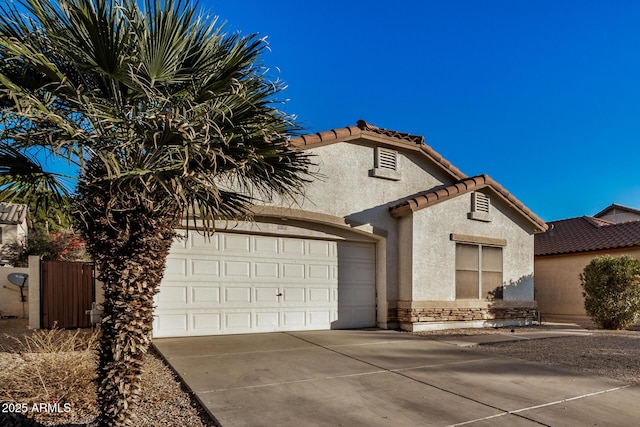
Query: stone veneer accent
point(463, 311)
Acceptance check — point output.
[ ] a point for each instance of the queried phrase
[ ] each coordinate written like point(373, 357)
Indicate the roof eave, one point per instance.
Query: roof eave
point(463, 187)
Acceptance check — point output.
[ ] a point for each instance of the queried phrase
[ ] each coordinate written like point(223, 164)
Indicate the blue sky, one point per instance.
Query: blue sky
point(544, 96)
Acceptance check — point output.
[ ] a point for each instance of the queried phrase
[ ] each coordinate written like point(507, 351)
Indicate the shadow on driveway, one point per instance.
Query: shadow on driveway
point(385, 378)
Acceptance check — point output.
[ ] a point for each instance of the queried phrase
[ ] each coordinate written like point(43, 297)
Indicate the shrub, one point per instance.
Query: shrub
point(611, 289)
point(50, 366)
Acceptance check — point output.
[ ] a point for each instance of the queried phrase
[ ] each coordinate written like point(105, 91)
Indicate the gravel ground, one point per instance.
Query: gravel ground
point(613, 354)
point(164, 401)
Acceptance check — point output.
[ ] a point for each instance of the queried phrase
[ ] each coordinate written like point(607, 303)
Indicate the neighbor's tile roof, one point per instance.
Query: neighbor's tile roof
point(364, 130)
point(586, 234)
point(431, 197)
point(12, 213)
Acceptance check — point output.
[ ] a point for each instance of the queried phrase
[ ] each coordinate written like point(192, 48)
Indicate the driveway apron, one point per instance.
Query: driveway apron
point(385, 378)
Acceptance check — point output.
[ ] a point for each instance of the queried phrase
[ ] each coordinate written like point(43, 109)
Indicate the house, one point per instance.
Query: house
point(390, 235)
point(13, 223)
point(569, 245)
point(618, 213)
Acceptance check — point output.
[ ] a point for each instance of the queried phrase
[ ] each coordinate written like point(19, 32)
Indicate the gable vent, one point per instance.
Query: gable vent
point(387, 159)
point(480, 207)
point(480, 202)
point(386, 164)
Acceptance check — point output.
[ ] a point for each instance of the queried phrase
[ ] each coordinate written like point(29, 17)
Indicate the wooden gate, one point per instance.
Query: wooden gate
point(66, 293)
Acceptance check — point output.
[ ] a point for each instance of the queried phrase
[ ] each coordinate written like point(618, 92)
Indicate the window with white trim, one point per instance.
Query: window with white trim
point(478, 271)
point(386, 164)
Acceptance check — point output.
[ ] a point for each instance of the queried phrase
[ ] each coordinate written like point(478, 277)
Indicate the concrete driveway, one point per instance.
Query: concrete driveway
point(385, 378)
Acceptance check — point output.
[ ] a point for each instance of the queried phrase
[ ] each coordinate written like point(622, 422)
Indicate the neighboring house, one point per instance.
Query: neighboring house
point(568, 247)
point(389, 235)
point(13, 223)
point(618, 213)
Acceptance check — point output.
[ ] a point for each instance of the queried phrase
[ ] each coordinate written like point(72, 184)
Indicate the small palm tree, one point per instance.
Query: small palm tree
point(169, 119)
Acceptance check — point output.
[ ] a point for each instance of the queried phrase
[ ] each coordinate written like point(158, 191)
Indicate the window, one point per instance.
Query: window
point(386, 164)
point(480, 207)
point(478, 272)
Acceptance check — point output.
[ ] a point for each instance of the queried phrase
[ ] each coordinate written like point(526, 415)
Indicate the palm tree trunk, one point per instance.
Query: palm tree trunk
point(130, 244)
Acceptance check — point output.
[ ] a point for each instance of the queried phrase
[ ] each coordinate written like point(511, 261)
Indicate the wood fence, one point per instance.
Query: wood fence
point(67, 292)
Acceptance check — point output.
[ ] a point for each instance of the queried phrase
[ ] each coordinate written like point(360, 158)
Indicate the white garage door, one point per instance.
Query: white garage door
point(235, 283)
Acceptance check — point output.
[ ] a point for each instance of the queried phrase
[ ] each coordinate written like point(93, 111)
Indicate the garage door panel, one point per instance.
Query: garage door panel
point(205, 268)
point(293, 271)
point(235, 243)
point(238, 320)
point(357, 251)
point(265, 245)
point(321, 319)
point(199, 243)
point(171, 324)
point(205, 294)
point(267, 295)
point(237, 294)
point(295, 319)
point(206, 322)
point(320, 295)
point(320, 249)
point(322, 272)
point(172, 295)
point(267, 320)
point(267, 269)
point(239, 283)
point(237, 269)
point(293, 295)
point(293, 246)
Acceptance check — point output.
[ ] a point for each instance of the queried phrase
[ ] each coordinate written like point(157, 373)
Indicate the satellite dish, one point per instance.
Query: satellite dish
point(19, 279)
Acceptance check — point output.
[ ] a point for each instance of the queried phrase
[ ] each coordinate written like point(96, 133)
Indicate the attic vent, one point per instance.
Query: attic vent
point(480, 202)
point(387, 159)
point(386, 164)
point(480, 207)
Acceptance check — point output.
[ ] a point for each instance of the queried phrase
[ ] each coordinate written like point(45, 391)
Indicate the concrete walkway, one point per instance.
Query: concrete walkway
point(386, 378)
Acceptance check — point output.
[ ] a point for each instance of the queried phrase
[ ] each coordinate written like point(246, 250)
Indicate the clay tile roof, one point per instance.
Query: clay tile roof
point(433, 196)
point(362, 130)
point(392, 133)
point(586, 234)
point(12, 213)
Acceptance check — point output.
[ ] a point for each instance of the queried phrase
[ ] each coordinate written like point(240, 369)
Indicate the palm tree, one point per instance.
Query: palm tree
point(170, 121)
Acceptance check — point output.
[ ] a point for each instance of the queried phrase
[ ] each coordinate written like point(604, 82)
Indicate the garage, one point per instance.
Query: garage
point(233, 283)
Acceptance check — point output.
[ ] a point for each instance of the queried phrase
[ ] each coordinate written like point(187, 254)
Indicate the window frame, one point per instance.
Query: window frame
point(498, 295)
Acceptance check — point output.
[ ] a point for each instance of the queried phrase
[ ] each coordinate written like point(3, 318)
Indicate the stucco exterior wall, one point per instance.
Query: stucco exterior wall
point(621, 216)
point(10, 303)
point(345, 188)
point(434, 251)
point(558, 288)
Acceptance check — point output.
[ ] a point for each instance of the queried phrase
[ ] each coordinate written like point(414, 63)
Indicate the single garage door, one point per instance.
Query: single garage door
point(235, 283)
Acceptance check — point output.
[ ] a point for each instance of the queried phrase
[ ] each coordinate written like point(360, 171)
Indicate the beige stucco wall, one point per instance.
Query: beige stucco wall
point(10, 304)
point(346, 189)
point(558, 288)
point(621, 216)
point(434, 251)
